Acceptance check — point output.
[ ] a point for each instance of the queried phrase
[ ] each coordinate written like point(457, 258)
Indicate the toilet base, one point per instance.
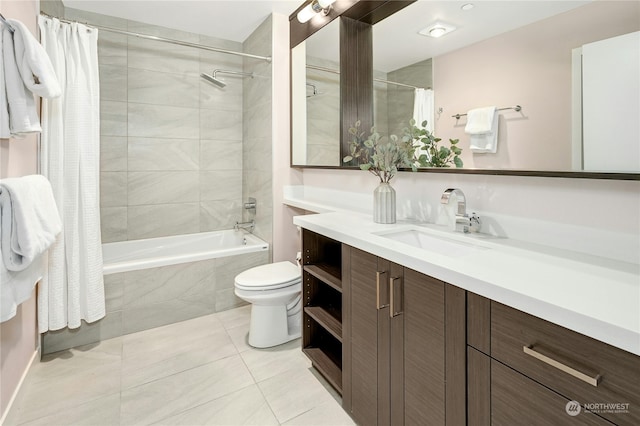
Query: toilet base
point(271, 326)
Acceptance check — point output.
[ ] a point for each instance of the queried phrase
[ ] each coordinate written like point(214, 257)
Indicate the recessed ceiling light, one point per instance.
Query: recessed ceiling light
point(437, 29)
point(467, 6)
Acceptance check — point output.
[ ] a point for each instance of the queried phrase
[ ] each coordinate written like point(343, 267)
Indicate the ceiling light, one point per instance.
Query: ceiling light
point(467, 6)
point(437, 29)
point(313, 8)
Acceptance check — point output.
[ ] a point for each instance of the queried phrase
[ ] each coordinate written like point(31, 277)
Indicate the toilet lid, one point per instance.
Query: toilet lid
point(272, 275)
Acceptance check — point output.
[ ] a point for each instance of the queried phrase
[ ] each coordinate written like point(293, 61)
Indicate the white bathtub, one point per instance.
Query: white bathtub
point(153, 252)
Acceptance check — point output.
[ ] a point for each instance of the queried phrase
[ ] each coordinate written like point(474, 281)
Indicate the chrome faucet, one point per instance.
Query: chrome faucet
point(245, 225)
point(464, 223)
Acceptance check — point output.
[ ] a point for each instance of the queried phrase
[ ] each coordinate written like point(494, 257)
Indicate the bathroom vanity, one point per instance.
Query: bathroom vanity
point(416, 325)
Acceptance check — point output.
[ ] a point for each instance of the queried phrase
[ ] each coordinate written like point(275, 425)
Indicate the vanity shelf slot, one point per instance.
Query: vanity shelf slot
point(326, 320)
point(326, 367)
point(326, 273)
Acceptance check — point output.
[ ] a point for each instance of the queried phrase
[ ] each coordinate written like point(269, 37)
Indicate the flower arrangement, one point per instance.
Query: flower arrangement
point(383, 157)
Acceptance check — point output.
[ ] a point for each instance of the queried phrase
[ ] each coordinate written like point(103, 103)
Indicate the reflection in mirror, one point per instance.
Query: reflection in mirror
point(316, 98)
point(504, 54)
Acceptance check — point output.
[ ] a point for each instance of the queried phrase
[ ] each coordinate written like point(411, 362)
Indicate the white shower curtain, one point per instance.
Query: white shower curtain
point(72, 289)
point(423, 110)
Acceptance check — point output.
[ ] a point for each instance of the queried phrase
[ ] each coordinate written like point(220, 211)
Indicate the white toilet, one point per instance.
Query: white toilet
point(274, 291)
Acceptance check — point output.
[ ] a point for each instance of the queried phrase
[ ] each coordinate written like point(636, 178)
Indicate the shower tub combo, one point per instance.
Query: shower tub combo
point(159, 281)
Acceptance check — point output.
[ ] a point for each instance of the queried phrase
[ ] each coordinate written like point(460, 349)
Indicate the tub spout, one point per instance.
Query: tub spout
point(250, 226)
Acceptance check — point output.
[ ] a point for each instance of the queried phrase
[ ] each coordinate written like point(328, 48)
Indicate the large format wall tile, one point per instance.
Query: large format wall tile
point(162, 57)
point(113, 224)
point(219, 215)
point(163, 121)
point(113, 82)
point(220, 185)
point(113, 154)
point(106, 328)
point(113, 118)
point(168, 219)
point(161, 88)
point(162, 313)
point(113, 189)
point(220, 155)
point(221, 125)
point(162, 187)
point(147, 154)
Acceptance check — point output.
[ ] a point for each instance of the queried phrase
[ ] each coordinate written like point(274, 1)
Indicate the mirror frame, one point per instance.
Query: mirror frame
point(355, 100)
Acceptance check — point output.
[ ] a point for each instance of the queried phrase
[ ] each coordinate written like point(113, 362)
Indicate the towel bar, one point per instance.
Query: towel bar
point(517, 108)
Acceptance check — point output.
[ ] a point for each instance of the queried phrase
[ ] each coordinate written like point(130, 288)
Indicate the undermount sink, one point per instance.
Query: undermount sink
point(427, 241)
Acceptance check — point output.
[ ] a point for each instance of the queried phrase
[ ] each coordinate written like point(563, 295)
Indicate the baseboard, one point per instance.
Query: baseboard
point(36, 355)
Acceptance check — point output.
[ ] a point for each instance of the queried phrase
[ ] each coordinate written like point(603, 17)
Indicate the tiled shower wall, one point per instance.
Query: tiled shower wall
point(171, 143)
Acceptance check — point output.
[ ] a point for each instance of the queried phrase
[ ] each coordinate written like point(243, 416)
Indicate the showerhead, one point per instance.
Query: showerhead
point(212, 79)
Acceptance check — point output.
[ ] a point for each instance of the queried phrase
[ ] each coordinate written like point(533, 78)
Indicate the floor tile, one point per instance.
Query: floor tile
point(244, 407)
point(293, 392)
point(240, 337)
point(182, 354)
point(328, 414)
point(266, 363)
point(101, 411)
point(235, 317)
point(154, 401)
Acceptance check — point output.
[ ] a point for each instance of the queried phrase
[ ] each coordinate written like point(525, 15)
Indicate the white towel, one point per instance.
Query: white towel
point(33, 63)
point(23, 117)
point(17, 287)
point(29, 220)
point(482, 126)
point(4, 107)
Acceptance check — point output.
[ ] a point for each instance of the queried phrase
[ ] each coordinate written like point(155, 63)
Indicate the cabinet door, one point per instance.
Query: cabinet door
point(366, 340)
point(418, 352)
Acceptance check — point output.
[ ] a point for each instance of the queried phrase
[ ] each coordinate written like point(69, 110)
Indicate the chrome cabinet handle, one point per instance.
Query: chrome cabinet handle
point(593, 381)
point(381, 278)
point(395, 284)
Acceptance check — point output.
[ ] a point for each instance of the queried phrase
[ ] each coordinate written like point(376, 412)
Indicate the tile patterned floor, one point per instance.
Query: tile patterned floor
point(197, 372)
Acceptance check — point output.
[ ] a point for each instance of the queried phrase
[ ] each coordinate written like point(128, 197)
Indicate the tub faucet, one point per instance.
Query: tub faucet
point(245, 225)
point(464, 223)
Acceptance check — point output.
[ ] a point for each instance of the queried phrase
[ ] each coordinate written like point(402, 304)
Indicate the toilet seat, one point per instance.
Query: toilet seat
point(269, 277)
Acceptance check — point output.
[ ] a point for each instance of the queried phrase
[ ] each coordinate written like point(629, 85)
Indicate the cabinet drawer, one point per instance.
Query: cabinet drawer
point(565, 361)
point(518, 400)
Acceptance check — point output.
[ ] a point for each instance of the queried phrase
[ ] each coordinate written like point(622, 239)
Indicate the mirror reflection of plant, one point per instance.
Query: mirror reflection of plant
point(378, 155)
point(433, 155)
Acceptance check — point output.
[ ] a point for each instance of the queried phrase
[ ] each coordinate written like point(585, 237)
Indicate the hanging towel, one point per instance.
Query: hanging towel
point(4, 107)
point(17, 287)
point(29, 220)
point(23, 117)
point(33, 63)
point(482, 126)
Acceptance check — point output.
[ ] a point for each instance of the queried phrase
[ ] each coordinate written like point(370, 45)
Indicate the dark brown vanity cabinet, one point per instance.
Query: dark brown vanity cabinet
point(525, 369)
point(322, 301)
point(400, 329)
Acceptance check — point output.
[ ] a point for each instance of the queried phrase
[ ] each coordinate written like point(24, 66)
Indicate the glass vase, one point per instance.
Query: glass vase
point(384, 204)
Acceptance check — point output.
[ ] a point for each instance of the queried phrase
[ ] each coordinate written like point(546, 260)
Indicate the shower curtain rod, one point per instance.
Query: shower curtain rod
point(379, 80)
point(163, 39)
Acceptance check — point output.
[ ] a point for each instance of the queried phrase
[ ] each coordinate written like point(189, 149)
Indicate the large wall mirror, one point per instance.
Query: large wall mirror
point(572, 67)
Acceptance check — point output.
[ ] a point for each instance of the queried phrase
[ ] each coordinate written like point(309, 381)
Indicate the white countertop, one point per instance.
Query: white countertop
point(595, 296)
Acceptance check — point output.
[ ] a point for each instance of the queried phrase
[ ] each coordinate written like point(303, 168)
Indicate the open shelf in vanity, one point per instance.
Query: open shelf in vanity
point(322, 300)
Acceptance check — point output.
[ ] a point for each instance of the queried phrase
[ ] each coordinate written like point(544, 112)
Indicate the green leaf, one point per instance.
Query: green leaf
point(457, 161)
point(365, 166)
point(454, 141)
point(424, 123)
point(347, 159)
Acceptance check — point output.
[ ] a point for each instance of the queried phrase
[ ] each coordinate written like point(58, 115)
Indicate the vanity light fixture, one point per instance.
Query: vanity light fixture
point(437, 29)
point(313, 8)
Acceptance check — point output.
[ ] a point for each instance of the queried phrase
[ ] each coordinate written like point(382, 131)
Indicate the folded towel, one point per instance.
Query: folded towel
point(480, 120)
point(485, 142)
point(29, 220)
point(33, 63)
point(23, 117)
